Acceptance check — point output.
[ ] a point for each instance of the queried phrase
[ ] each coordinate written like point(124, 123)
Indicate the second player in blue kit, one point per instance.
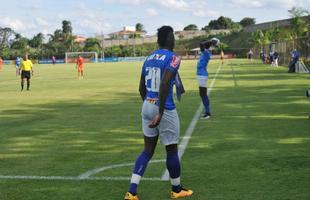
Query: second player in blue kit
point(202, 73)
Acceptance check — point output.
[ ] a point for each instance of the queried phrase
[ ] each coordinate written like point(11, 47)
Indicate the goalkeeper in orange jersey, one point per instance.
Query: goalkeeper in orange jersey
point(80, 67)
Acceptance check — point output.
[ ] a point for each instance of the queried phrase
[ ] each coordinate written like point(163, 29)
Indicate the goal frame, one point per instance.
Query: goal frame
point(81, 53)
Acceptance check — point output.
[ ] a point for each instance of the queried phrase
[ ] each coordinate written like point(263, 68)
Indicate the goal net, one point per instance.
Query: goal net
point(301, 68)
point(71, 57)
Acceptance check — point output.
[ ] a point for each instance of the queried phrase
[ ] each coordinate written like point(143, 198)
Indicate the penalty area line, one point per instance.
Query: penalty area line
point(189, 131)
point(74, 178)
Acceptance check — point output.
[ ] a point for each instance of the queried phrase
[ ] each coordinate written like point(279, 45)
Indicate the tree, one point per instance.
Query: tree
point(5, 36)
point(139, 27)
point(298, 24)
point(274, 35)
point(259, 38)
point(92, 44)
point(298, 12)
point(206, 28)
point(222, 23)
point(247, 21)
point(66, 27)
point(191, 27)
point(20, 45)
point(36, 41)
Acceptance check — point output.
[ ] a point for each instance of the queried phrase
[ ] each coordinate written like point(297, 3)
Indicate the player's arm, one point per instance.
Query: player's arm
point(163, 93)
point(164, 89)
point(142, 87)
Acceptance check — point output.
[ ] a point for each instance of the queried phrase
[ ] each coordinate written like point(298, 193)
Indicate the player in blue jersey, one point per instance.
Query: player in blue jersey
point(202, 73)
point(17, 65)
point(159, 115)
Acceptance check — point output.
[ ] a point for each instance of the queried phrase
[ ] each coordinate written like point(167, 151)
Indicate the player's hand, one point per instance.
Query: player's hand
point(32, 72)
point(155, 121)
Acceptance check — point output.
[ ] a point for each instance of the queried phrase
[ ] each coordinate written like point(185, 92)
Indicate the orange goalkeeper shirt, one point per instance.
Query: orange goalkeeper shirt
point(80, 63)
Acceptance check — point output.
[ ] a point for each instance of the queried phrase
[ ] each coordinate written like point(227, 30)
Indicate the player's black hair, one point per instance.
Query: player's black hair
point(205, 45)
point(162, 36)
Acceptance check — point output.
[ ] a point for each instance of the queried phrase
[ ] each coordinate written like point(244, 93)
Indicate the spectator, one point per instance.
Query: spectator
point(53, 60)
point(250, 55)
point(275, 59)
point(271, 57)
point(294, 59)
point(262, 56)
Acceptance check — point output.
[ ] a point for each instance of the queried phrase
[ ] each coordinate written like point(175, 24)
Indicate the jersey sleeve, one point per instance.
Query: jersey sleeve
point(174, 64)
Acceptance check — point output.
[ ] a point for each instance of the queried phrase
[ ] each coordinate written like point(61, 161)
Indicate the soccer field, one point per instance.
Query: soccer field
point(70, 139)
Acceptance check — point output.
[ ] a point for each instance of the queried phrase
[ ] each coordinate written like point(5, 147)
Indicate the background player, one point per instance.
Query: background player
point(202, 73)
point(26, 68)
point(53, 60)
point(159, 115)
point(80, 67)
point(17, 65)
point(222, 57)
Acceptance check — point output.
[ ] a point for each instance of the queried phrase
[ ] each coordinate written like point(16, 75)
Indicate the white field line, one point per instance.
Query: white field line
point(86, 176)
point(75, 178)
point(101, 169)
point(185, 140)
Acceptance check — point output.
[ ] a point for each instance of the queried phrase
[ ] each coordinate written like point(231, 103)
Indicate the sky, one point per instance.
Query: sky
point(89, 17)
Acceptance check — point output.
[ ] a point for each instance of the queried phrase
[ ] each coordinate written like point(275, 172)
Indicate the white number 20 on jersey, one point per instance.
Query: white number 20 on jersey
point(152, 79)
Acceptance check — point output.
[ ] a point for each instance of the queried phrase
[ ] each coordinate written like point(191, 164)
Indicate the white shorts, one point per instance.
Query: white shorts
point(202, 81)
point(169, 127)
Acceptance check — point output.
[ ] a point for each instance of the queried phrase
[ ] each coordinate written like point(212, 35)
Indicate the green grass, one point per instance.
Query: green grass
point(256, 146)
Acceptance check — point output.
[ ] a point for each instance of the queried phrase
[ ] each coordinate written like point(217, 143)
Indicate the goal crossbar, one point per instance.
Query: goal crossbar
point(88, 56)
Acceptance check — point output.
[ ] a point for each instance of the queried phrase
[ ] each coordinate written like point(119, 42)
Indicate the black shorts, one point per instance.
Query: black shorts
point(26, 74)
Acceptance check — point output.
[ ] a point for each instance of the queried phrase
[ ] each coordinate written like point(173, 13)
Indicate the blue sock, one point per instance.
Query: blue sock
point(140, 166)
point(206, 103)
point(173, 166)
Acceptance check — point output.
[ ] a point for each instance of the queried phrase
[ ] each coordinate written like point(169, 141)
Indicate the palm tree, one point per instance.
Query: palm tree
point(259, 38)
point(299, 26)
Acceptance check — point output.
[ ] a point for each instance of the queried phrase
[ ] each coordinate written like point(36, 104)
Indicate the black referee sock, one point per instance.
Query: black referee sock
point(22, 84)
point(28, 84)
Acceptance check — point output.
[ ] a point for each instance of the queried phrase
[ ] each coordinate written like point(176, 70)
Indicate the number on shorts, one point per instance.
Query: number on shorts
point(152, 79)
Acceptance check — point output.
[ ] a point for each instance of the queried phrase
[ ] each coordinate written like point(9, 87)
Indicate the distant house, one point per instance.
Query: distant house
point(126, 33)
point(80, 39)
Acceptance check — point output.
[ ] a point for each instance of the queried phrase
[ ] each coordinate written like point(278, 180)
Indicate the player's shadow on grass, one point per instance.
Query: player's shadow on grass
point(80, 133)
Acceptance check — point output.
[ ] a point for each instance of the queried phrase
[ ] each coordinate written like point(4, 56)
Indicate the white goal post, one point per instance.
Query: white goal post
point(70, 57)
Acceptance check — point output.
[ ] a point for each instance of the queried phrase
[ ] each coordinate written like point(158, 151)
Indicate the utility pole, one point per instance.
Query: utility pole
point(134, 44)
point(102, 46)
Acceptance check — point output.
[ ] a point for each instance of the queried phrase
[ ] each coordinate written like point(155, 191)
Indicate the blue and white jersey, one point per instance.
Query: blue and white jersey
point(295, 55)
point(202, 65)
point(153, 70)
point(17, 62)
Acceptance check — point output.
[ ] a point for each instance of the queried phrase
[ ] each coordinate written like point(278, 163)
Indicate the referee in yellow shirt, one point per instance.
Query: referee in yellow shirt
point(26, 68)
point(222, 56)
